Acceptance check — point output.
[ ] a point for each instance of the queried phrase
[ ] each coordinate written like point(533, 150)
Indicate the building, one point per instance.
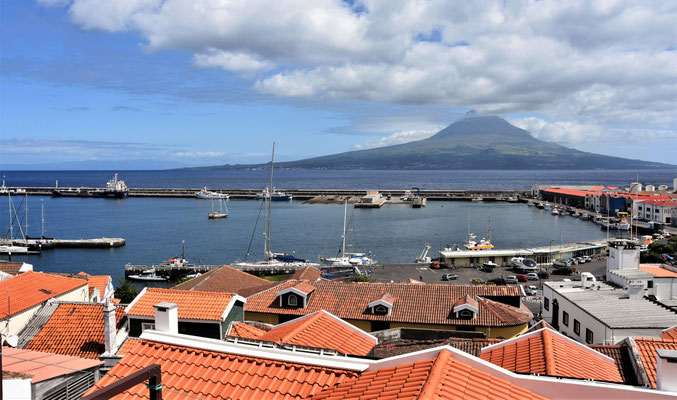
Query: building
point(100, 287)
point(200, 367)
point(31, 375)
point(496, 311)
point(319, 329)
point(23, 295)
point(659, 210)
point(227, 279)
point(206, 314)
point(9, 269)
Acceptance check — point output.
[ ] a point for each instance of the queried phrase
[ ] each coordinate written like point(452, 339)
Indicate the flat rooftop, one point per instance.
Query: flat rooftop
point(612, 307)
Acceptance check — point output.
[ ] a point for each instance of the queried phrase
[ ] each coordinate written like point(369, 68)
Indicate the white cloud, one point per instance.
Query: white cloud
point(396, 138)
point(593, 64)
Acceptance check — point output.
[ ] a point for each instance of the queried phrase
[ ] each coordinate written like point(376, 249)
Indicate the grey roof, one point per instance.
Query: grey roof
point(632, 274)
point(613, 308)
point(35, 324)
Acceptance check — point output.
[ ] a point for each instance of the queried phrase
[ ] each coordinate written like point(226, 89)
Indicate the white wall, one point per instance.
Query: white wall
point(17, 389)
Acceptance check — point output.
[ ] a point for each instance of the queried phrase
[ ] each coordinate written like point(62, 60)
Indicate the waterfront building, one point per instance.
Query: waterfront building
point(9, 269)
point(495, 311)
point(226, 279)
point(206, 314)
point(659, 210)
point(24, 294)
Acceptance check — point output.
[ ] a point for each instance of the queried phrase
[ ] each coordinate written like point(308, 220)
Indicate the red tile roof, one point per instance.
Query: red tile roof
point(621, 356)
point(74, 330)
point(42, 366)
point(32, 288)
point(419, 304)
point(11, 268)
point(547, 352)
point(245, 331)
point(128, 346)
point(660, 202)
point(97, 281)
point(670, 333)
point(307, 274)
point(646, 348)
point(217, 375)
point(209, 306)
point(227, 279)
point(442, 377)
point(658, 271)
point(467, 299)
point(322, 330)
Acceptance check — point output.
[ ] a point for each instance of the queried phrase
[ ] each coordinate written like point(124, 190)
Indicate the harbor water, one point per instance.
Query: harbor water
point(154, 228)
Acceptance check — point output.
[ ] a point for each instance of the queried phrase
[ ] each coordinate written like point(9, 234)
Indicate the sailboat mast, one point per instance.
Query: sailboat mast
point(26, 210)
point(268, 253)
point(11, 222)
point(343, 237)
point(489, 229)
point(42, 218)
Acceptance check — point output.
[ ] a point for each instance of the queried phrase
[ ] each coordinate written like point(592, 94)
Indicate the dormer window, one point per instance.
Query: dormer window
point(292, 300)
point(381, 310)
point(382, 305)
point(466, 314)
point(465, 308)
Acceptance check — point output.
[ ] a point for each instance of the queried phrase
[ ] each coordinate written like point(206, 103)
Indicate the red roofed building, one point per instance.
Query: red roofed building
point(646, 350)
point(74, 329)
point(206, 314)
point(100, 287)
point(319, 329)
point(661, 209)
point(547, 352)
point(378, 306)
point(670, 333)
point(22, 296)
point(227, 279)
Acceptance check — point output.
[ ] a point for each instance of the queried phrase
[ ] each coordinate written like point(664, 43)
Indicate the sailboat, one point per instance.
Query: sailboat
point(348, 259)
point(214, 214)
point(12, 246)
point(272, 259)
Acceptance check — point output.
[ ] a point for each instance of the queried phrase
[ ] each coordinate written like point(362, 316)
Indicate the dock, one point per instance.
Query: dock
point(100, 243)
point(174, 271)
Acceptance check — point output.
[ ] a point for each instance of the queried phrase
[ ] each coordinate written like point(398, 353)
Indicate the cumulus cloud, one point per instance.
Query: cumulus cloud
point(589, 63)
point(396, 138)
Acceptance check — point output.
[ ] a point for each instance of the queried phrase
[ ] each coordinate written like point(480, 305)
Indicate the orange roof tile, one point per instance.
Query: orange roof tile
point(539, 325)
point(218, 375)
point(621, 356)
point(670, 333)
point(32, 288)
point(245, 331)
point(422, 304)
point(442, 377)
point(307, 274)
point(646, 348)
point(227, 279)
point(547, 352)
point(322, 330)
point(208, 306)
point(75, 330)
point(467, 299)
point(128, 346)
point(658, 271)
point(42, 366)
point(97, 281)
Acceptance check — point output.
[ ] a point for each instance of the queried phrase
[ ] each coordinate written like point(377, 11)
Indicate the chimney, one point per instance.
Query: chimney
point(635, 290)
point(666, 372)
point(167, 317)
point(109, 331)
point(587, 279)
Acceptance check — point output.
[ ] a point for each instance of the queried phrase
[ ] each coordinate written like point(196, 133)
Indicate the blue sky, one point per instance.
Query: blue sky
point(156, 84)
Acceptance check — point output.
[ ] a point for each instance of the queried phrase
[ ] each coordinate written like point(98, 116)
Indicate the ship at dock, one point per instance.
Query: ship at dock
point(115, 189)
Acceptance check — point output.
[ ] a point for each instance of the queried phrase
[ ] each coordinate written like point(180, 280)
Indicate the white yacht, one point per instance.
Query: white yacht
point(524, 264)
point(206, 194)
point(348, 258)
point(148, 275)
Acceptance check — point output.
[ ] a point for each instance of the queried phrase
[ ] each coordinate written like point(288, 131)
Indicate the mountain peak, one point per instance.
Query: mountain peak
point(474, 125)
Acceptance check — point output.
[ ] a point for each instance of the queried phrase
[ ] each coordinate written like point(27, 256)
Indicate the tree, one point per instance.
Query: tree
point(126, 292)
point(361, 278)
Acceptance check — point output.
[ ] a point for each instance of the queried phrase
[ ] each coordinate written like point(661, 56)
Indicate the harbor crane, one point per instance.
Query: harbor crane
point(423, 258)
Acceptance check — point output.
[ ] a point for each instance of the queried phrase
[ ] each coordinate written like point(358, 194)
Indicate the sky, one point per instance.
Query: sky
point(136, 84)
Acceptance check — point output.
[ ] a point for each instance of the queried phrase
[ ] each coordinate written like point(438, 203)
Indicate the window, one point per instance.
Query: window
point(379, 309)
point(649, 284)
point(546, 303)
point(466, 314)
point(577, 327)
point(292, 300)
point(565, 318)
point(588, 336)
point(147, 325)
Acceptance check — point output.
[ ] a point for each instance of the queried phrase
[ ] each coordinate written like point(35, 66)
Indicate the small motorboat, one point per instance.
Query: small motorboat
point(148, 275)
point(555, 211)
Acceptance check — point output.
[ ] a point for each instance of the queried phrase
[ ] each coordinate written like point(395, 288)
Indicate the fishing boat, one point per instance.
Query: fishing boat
point(547, 207)
point(271, 259)
point(478, 198)
point(115, 189)
point(220, 213)
point(473, 244)
point(206, 194)
point(348, 258)
point(148, 275)
point(623, 225)
point(540, 206)
point(555, 211)
point(276, 196)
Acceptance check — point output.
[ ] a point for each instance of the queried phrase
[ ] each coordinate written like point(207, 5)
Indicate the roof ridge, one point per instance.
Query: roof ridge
point(489, 306)
point(549, 353)
point(429, 388)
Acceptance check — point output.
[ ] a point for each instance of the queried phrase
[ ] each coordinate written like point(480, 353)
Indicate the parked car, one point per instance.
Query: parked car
point(435, 265)
point(497, 281)
point(521, 278)
point(511, 279)
point(560, 262)
point(532, 276)
point(587, 258)
point(581, 260)
point(574, 261)
point(543, 275)
point(563, 271)
point(449, 277)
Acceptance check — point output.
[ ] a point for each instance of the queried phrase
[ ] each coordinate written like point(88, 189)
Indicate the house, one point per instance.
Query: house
point(307, 274)
point(319, 329)
point(659, 210)
point(206, 314)
point(75, 329)
point(100, 287)
point(495, 311)
point(202, 368)
point(9, 269)
point(23, 295)
point(30, 375)
point(227, 279)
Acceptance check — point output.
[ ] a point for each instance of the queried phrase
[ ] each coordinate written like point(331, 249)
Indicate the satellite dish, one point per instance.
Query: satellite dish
point(12, 340)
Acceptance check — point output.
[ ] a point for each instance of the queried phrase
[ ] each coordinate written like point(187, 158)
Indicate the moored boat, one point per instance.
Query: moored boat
point(115, 189)
point(206, 194)
point(148, 275)
point(523, 264)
